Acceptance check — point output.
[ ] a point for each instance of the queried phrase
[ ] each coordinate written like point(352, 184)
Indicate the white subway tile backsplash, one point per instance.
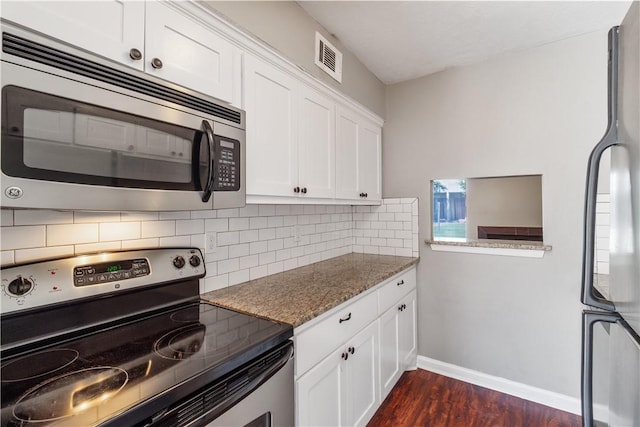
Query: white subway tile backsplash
point(239, 250)
point(142, 216)
point(229, 213)
point(28, 236)
point(228, 238)
point(228, 265)
point(6, 217)
point(258, 247)
point(24, 255)
point(239, 276)
point(204, 214)
point(174, 241)
point(191, 226)
point(158, 228)
point(218, 224)
point(258, 272)
point(69, 234)
point(119, 231)
point(267, 258)
point(238, 224)
point(35, 217)
point(141, 243)
point(174, 215)
point(267, 233)
point(252, 242)
point(267, 210)
point(249, 261)
point(248, 236)
point(88, 248)
point(7, 257)
point(258, 222)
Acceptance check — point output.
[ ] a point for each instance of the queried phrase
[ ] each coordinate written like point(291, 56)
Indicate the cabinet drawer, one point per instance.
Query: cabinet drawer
point(317, 342)
point(395, 289)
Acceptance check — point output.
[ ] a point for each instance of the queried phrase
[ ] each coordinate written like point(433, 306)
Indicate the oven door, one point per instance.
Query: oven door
point(72, 145)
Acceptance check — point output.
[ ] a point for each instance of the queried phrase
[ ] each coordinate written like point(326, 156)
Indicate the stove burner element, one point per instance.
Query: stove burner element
point(70, 394)
point(180, 343)
point(187, 315)
point(37, 364)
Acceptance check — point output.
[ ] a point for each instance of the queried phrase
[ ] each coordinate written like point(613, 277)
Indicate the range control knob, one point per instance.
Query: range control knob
point(194, 260)
point(20, 286)
point(178, 262)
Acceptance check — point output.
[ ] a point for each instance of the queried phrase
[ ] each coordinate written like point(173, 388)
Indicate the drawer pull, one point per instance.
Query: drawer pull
point(402, 307)
point(351, 350)
point(345, 356)
point(401, 282)
point(345, 318)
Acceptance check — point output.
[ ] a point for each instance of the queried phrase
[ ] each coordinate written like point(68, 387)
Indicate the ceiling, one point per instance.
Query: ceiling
point(403, 40)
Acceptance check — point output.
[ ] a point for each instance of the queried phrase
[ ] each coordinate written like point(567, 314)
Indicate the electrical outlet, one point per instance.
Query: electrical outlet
point(210, 243)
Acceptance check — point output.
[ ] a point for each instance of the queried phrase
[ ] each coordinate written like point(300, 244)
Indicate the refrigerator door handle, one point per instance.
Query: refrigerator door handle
point(590, 295)
point(589, 319)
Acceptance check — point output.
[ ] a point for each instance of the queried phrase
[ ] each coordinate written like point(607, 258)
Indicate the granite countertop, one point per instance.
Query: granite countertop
point(297, 296)
point(491, 243)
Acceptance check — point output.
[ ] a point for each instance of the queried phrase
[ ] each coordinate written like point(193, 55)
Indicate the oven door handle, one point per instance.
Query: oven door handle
point(208, 188)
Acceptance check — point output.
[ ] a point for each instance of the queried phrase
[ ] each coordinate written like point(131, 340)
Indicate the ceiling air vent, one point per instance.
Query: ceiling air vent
point(328, 58)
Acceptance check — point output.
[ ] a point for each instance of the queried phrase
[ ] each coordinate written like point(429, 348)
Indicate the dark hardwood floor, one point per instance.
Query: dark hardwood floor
point(422, 398)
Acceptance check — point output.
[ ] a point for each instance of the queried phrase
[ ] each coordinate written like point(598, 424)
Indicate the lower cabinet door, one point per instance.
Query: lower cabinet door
point(321, 394)
point(389, 350)
point(407, 341)
point(362, 395)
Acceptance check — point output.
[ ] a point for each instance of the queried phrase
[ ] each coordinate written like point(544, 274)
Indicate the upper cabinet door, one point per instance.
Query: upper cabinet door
point(370, 161)
point(316, 144)
point(347, 134)
point(271, 104)
point(187, 53)
point(107, 28)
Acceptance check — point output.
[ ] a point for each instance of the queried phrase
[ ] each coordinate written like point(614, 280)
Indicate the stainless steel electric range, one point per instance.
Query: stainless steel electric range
point(123, 339)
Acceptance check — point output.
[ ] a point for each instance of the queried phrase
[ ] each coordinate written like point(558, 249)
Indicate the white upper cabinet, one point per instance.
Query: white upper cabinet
point(358, 157)
point(190, 55)
point(316, 146)
point(271, 99)
point(148, 36)
point(290, 135)
point(107, 28)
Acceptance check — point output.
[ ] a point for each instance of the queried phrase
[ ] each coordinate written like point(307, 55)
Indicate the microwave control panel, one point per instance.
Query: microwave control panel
point(227, 164)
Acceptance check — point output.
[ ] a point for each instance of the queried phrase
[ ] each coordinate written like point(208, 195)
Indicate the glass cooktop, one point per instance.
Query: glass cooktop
point(88, 380)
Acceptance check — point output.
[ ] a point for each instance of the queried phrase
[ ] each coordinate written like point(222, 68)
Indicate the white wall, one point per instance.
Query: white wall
point(288, 28)
point(538, 111)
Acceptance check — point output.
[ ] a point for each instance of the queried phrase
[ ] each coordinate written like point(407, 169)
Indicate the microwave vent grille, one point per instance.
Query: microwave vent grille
point(18, 46)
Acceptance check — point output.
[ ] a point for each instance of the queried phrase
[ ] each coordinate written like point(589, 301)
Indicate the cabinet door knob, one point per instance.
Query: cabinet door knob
point(401, 282)
point(296, 189)
point(366, 195)
point(304, 190)
point(344, 319)
point(156, 63)
point(135, 54)
point(345, 356)
point(400, 307)
point(351, 350)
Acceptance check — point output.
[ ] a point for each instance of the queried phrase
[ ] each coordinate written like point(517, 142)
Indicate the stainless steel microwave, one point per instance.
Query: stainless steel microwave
point(80, 132)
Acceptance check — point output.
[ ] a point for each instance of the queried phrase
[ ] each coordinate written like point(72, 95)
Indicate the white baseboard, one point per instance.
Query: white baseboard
point(513, 388)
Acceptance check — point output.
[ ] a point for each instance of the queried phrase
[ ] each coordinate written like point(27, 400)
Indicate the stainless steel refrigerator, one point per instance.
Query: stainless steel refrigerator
point(620, 309)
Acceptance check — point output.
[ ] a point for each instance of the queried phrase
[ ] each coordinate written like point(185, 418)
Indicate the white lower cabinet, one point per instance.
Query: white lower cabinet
point(348, 359)
point(342, 389)
point(397, 342)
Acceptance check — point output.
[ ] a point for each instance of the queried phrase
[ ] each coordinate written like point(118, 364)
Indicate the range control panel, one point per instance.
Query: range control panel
point(110, 271)
point(63, 280)
point(227, 164)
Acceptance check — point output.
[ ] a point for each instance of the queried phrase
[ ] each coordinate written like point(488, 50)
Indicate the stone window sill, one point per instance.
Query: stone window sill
point(491, 247)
